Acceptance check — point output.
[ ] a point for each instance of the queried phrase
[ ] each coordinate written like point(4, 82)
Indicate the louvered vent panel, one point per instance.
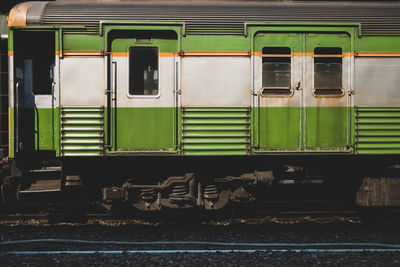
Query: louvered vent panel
point(216, 131)
point(82, 131)
point(378, 130)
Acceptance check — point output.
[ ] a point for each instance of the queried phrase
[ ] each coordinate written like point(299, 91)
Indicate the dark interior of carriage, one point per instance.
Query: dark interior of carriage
point(34, 58)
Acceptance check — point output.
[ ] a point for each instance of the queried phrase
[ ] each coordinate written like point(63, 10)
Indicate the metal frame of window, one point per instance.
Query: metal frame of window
point(274, 91)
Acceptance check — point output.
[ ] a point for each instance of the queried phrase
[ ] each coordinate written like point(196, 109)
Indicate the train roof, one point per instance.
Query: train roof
point(218, 17)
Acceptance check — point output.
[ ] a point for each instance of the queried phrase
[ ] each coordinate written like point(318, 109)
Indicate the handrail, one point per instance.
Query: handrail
point(52, 111)
point(16, 104)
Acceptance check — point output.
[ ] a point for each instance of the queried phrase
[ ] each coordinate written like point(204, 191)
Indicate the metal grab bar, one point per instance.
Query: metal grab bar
point(114, 99)
point(16, 112)
point(52, 110)
point(37, 126)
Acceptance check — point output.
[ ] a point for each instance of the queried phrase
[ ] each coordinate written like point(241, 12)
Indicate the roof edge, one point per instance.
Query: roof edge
point(24, 13)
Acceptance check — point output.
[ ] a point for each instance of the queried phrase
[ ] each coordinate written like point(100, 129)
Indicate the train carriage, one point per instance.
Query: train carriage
point(171, 104)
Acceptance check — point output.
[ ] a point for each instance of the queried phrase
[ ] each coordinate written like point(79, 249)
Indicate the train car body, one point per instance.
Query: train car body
point(144, 83)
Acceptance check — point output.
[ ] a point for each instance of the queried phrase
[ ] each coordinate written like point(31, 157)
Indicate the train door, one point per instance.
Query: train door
point(34, 94)
point(326, 91)
point(303, 91)
point(143, 73)
point(278, 75)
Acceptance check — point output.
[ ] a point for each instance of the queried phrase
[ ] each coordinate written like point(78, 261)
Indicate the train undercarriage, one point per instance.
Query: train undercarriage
point(152, 183)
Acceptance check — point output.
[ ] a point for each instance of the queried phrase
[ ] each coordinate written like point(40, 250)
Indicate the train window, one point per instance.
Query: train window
point(328, 71)
point(143, 71)
point(276, 71)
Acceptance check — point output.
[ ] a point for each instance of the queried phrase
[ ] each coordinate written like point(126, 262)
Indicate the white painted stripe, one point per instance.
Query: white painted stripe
point(82, 81)
point(216, 81)
point(377, 81)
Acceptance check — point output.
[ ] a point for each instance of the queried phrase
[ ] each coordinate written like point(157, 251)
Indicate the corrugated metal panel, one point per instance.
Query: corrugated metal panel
point(224, 17)
point(216, 131)
point(82, 131)
point(378, 130)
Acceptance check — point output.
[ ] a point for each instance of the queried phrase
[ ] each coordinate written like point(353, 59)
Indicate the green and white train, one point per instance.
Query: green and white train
point(195, 104)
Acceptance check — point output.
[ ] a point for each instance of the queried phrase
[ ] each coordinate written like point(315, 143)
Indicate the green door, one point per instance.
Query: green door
point(327, 87)
point(143, 74)
point(302, 83)
point(278, 71)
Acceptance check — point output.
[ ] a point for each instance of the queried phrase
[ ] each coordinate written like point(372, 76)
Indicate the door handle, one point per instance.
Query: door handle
point(298, 85)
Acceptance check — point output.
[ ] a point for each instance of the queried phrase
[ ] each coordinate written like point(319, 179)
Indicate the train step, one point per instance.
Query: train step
point(39, 186)
point(44, 180)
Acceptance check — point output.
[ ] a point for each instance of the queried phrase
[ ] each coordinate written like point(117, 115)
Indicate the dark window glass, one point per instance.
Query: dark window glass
point(143, 71)
point(276, 71)
point(276, 50)
point(37, 47)
point(328, 51)
point(328, 71)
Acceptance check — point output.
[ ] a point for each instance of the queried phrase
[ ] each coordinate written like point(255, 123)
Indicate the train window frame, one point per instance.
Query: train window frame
point(328, 54)
point(277, 52)
point(135, 96)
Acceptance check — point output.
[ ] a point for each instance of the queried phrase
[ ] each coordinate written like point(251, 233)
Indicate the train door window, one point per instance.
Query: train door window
point(276, 71)
point(328, 71)
point(143, 71)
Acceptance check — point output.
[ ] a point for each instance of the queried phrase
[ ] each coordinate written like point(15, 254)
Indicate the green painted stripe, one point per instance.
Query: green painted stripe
point(361, 110)
point(196, 133)
point(219, 121)
point(378, 139)
point(378, 114)
point(386, 132)
point(379, 119)
point(215, 109)
point(377, 127)
point(379, 145)
point(217, 153)
point(378, 151)
point(213, 140)
point(216, 128)
point(216, 115)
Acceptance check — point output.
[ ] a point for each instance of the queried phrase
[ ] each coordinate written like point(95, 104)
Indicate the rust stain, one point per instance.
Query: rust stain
point(17, 16)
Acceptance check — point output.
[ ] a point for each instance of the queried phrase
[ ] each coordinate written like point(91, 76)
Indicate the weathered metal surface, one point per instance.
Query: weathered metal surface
point(377, 130)
point(216, 131)
point(377, 81)
point(82, 131)
point(205, 81)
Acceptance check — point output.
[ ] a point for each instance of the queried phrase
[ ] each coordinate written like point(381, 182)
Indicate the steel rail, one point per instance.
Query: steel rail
point(312, 250)
point(341, 245)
